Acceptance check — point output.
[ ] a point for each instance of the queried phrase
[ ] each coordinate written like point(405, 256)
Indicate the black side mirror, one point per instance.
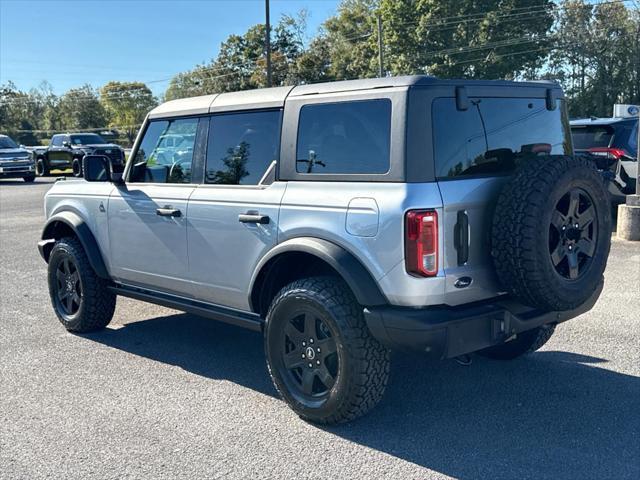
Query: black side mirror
point(96, 168)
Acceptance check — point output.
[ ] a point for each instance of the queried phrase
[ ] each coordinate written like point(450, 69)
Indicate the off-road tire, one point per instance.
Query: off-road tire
point(524, 343)
point(521, 232)
point(76, 167)
point(42, 168)
point(29, 178)
point(363, 369)
point(97, 302)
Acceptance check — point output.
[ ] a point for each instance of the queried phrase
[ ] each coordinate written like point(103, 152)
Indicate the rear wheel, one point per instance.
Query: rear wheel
point(321, 356)
point(29, 178)
point(42, 168)
point(81, 299)
point(524, 343)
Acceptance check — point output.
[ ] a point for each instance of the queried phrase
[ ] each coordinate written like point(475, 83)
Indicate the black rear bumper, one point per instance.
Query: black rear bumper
point(448, 332)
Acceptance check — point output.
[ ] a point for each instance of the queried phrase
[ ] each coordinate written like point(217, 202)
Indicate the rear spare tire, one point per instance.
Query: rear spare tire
point(552, 232)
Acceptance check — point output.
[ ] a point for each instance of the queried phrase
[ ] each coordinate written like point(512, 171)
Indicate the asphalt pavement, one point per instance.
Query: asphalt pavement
point(162, 394)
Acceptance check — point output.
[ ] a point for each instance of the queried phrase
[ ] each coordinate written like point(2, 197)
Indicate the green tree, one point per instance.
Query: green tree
point(80, 109)
point(127, 104)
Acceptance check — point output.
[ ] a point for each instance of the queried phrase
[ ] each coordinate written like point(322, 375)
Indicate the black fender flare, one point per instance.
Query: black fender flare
point(73, 221)
point(352, 271)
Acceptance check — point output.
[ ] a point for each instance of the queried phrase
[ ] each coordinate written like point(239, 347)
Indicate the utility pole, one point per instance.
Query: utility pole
point(267, 42)
point(380, 49)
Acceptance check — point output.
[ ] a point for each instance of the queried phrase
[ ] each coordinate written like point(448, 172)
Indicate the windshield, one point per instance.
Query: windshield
point(6, 142)
point(87, 139)
point(591, 136)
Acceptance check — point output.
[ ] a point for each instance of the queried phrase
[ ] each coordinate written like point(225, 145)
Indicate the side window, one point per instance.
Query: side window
point(242, 146)
point(160, 161)
point(493, 134)
point(633, 139)
point(56, 141)
point(344, 138)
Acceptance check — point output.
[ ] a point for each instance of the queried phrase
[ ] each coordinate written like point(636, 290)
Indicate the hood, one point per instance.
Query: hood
point(98, 145)
point(9, 152)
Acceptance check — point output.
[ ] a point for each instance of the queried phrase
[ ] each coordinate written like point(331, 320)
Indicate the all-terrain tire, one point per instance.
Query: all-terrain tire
point(29, 178)
point(523, 229)
point(363, 363)
point(524, 343)
point(42, 168)
point(97, 304)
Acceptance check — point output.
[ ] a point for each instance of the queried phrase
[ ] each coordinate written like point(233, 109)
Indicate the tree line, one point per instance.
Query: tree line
point(592, 49)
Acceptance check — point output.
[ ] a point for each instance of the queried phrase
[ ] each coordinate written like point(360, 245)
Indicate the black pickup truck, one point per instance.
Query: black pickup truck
point(67, 150)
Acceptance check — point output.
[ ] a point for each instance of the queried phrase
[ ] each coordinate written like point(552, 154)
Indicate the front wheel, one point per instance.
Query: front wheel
point(321, 356)
point(76, 167)
point(82, 300)
point(29, 178)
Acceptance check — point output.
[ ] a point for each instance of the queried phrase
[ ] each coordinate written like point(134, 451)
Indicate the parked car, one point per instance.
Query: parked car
point(614, 144)
point(342, 220)
point(15, 161)
point(67, 151)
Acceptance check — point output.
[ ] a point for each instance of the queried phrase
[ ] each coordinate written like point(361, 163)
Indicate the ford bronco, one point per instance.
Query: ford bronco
point(343, 220)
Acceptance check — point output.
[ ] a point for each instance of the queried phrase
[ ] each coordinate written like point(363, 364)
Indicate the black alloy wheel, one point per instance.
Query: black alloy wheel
point(573, 234)
point(309, 355)
point(68, 287)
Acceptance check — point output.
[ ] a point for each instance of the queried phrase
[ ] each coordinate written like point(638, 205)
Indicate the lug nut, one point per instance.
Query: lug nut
point(304, 356)
point(576, 225)
point(311, 340)
point(310, 365)
point(570, 247)
point(563, 228)
point(318, 350)
point(318, 362)
point(304, 344)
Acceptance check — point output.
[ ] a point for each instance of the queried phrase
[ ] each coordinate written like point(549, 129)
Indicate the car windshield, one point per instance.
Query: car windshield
point(87, 139)
point(590, 136)
point(7, 142)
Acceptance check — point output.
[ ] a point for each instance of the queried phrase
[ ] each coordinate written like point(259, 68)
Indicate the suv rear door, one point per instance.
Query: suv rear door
point(475, 151)
point(233, 215)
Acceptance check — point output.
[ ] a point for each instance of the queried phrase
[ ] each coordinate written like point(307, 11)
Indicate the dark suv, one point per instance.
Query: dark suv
point(68, 150)
point(614, 144)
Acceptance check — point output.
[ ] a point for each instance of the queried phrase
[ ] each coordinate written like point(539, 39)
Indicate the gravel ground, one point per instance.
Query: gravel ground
point(161, 394)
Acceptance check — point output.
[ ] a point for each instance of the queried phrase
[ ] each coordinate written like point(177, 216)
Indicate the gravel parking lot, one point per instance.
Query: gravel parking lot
point(161, 394)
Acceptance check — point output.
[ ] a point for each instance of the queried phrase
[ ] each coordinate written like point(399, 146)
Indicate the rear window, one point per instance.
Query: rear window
point(344, 138)
point(493, 133)
point(590, 136)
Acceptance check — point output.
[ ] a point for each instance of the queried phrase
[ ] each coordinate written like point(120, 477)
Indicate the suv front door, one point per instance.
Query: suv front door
point(233, 216)
point(147, 215)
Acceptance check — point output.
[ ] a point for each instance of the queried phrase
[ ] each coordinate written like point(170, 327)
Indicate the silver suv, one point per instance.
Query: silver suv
point(342, 220)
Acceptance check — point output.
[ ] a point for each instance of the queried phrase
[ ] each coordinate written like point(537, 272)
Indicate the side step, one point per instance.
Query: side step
point(251, 321)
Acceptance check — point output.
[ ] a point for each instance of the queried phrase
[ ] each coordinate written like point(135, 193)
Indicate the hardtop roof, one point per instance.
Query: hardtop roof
point(276, 96)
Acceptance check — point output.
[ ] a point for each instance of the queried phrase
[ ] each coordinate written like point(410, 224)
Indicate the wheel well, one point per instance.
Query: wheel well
point(282, 270)
point(56, 230)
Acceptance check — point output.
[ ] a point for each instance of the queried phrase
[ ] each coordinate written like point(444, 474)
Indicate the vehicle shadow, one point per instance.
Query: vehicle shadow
point(550, 415)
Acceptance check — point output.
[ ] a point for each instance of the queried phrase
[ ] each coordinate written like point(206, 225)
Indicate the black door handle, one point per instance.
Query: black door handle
point(253, 217)
point(461, 237)
point(168, 211)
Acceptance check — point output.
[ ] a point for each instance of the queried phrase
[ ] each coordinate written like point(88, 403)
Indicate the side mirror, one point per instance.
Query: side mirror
point(97, 168)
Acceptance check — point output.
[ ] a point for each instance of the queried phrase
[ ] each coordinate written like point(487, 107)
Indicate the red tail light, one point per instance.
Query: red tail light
point(612, 153)
point(421, 243)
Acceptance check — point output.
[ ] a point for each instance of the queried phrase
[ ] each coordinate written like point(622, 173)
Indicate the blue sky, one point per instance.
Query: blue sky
point(69, 43)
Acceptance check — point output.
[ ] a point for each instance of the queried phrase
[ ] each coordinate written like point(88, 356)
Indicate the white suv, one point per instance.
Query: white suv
point(343, 219)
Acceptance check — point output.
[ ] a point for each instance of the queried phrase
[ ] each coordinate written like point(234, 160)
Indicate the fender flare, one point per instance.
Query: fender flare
point(357, 277)
point(84, 234)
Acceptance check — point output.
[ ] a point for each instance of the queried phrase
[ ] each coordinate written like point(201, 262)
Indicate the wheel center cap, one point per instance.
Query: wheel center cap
point(310, 352)
point(69, 285)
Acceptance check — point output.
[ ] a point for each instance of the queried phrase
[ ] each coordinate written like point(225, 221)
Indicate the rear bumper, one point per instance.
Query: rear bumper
point(447, 332)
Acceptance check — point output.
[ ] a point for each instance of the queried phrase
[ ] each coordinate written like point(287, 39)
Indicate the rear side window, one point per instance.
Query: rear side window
point(590, 136)
point(242, 146)
point(344, 138)
point(494, 133)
